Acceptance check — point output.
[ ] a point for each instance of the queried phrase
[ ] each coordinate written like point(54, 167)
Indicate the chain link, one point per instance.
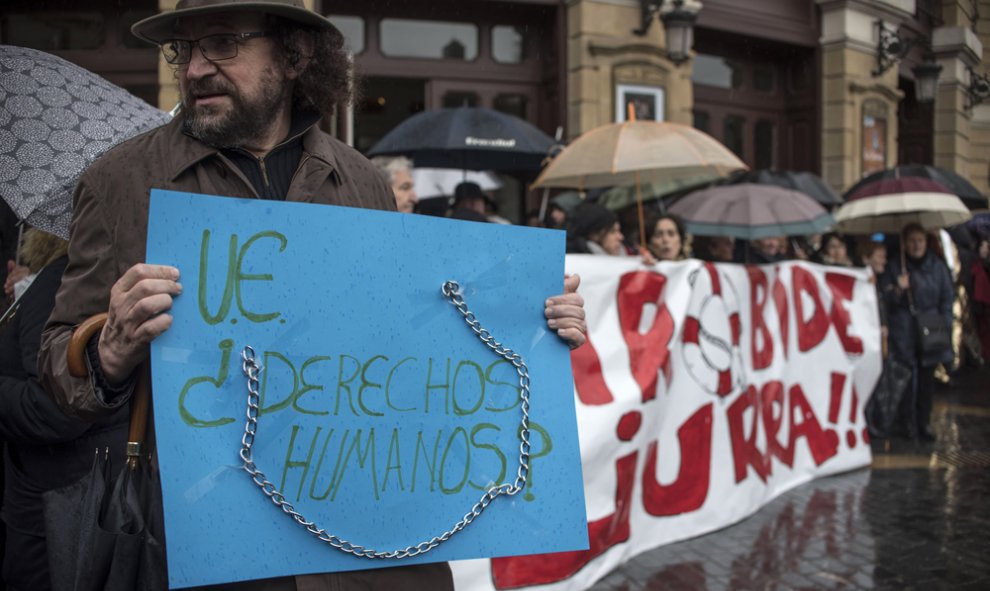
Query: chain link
point(452, 291)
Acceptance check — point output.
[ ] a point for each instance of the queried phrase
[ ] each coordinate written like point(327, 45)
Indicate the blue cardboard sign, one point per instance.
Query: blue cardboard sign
point(383, 418)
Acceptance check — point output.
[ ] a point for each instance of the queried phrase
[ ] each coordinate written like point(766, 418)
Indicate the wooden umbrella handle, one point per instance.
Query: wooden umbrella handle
point(76, 359)
point(77, 344)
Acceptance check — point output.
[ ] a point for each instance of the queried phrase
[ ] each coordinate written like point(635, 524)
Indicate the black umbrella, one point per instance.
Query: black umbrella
point(105, 531)
point(472, 138)
point(957, 184)
point(803, 182)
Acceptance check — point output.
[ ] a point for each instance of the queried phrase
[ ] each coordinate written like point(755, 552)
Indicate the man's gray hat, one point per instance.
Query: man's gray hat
point(161, 26)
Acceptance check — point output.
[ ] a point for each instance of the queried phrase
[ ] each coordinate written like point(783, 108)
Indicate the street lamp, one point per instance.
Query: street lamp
point(678, 24)
point(926, 80)
point(892, 48)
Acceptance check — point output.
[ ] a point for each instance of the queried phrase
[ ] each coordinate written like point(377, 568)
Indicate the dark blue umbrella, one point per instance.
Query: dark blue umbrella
point(472, 138)
point(957, 184)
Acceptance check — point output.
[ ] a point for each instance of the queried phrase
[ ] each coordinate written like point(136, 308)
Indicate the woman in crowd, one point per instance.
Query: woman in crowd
point(45, 449)
point(764, 251)
point(713, 249)
point(923, 286)
point(665, 237)
point(593, 229)
point(834, 250)
point(873, 254)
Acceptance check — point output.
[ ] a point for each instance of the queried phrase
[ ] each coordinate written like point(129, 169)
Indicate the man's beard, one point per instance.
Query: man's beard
point(243, 122)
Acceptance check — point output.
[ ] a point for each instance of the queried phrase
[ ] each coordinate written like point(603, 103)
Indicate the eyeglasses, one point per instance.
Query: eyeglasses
point(222, 46)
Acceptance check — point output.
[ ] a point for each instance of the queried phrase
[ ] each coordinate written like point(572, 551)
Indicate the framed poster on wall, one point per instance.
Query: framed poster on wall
point(874, 157)
point(647, 102)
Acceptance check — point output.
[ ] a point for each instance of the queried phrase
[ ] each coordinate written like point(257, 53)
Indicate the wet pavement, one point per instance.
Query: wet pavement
point(919, 518)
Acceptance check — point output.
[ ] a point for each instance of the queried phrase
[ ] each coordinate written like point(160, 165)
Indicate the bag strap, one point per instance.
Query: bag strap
point(140, 401)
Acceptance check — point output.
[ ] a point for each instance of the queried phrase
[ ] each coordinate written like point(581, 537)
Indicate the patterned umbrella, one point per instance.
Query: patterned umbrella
point(750, 211)
point(55, 119)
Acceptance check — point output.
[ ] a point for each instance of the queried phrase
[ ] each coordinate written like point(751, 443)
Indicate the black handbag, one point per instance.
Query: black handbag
point(934, 334)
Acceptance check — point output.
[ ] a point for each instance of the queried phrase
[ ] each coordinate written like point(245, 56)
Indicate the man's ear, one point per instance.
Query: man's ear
point(300, 54)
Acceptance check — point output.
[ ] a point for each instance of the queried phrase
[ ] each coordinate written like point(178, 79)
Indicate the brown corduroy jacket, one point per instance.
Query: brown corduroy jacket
point(108, 235)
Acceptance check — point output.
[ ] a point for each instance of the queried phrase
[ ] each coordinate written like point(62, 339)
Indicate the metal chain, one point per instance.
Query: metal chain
point(452, 291)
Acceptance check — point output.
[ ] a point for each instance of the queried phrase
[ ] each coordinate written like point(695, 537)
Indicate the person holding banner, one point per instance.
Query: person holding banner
point(254, 79)
point(666, 237)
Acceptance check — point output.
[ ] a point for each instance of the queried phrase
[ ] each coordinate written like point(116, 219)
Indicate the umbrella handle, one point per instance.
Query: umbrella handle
point(76, 356)
point(140, 402)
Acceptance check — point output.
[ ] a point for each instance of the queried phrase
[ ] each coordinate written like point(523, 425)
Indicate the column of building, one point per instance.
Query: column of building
point(958, 50)
point(604, 53)
point(859, 101)
point(979, 156)
point(168, 86)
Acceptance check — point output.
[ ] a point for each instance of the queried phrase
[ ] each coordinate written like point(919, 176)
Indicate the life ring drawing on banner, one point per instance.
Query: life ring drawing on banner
point(711, 333)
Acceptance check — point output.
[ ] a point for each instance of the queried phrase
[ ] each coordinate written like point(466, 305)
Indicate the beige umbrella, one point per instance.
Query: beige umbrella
point(889, 214)
point(634, 153)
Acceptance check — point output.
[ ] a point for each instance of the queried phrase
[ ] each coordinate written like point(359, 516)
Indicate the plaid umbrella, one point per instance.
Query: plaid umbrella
point(55, 119)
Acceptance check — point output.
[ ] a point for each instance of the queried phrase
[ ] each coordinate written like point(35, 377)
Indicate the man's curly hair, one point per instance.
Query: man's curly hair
point(327, 81)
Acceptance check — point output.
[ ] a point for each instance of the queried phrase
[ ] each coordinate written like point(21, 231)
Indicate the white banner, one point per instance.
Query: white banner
point(704, 392)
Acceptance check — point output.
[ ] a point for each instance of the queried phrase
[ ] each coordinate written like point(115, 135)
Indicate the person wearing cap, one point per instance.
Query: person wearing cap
point(254, 79)
point(398, 173)
point(468, 195)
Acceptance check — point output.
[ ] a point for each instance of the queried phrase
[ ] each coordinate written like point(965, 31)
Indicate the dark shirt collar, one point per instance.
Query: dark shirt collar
point(188, 151)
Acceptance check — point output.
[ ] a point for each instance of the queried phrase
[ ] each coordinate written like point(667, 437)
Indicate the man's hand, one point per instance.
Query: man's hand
point(136, 317)
point(565, 313)
point(15, 273)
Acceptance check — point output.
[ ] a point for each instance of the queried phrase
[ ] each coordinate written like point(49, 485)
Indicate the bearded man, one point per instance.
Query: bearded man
point(254, 78)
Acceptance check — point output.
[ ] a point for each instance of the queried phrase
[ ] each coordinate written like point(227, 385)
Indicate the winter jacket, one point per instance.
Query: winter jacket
point(108, 233)
point(46, 449)
point(931, 289)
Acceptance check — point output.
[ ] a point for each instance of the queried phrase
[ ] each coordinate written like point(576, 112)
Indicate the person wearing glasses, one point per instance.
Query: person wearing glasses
point(254, 78)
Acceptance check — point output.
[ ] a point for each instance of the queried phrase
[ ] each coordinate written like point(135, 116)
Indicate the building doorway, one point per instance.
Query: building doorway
point(758, 98)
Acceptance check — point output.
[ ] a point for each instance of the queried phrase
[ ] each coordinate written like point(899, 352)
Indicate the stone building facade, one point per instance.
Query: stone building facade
point(787, 84)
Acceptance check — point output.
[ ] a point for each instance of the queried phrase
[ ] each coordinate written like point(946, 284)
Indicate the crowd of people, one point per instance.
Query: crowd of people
point(911, 286)
point(915, 285)
point(932, 278)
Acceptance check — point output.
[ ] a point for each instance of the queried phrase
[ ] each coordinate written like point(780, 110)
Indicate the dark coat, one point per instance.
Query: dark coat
point(931, 288)
point(108, 233)
point(46, 449)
